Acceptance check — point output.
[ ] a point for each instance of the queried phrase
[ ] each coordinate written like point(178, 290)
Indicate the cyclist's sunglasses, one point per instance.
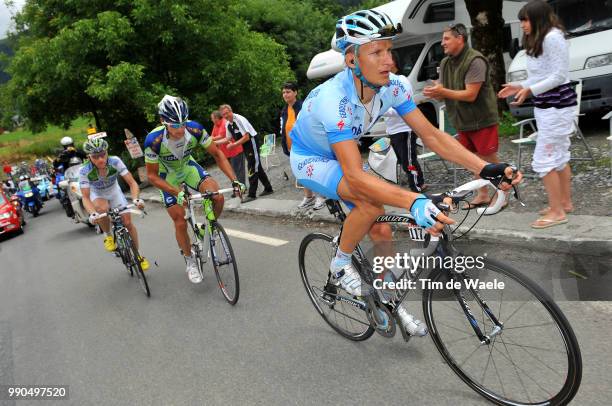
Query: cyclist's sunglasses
point(98, 155)
point(175, 125)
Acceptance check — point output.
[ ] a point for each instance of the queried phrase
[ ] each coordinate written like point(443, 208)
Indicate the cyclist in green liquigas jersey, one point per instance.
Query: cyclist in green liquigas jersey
point(169, 163)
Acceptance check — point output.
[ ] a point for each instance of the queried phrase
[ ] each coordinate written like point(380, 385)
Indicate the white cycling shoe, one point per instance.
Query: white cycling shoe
point(412, 325)
point(348, 278)
point(193, 273)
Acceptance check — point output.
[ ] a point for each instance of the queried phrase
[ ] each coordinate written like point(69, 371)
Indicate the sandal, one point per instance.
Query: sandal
point(545, 211)
point(545, 223)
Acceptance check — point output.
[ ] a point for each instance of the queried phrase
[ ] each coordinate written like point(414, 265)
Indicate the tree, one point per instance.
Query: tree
point(488, 37)
point(116, 59)
point(303, 29)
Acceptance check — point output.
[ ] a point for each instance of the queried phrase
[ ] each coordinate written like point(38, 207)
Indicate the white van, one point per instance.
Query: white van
point(419, 46)
point(589, 27)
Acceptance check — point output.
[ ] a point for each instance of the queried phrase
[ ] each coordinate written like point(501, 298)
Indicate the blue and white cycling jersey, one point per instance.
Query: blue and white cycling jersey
point(89, 177)
point(332, 113)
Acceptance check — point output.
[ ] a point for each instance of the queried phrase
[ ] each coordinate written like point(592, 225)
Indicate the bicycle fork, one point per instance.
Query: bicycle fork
point(497, 325)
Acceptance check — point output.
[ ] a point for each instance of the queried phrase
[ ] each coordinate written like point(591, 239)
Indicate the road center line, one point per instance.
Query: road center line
point(256, 237)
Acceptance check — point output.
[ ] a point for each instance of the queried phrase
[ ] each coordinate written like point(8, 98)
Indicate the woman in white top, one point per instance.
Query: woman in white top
point(403, 139)
point(555, 103)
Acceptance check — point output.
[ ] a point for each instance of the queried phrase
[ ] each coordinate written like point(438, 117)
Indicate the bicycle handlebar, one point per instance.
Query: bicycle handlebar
point(120, 210)
point(207, 194)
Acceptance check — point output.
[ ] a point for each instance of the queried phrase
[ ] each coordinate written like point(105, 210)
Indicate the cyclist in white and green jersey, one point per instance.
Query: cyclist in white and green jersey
point(101, 191)
point(169, 163)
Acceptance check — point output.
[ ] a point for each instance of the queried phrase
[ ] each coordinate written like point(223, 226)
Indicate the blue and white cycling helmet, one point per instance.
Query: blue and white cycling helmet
point(360, 28)
point(173, 109)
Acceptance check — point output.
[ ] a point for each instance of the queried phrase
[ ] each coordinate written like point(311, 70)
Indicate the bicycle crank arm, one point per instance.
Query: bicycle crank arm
point(353, 302)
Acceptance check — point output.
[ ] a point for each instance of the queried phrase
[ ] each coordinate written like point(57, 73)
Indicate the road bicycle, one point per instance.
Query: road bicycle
point(513, 346)
point(126, 250)
point(210, 241)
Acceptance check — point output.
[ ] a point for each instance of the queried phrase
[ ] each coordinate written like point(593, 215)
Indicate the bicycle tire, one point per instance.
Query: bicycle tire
point(323, 256)
point(224, 256)
point(135, 264)
point(531, 365)
point(123, 254)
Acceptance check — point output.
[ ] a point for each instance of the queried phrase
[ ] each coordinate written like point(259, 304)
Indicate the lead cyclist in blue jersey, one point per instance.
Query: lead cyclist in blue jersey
point(325, 156)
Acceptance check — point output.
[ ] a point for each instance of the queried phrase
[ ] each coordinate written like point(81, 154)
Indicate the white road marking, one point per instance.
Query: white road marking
point(275, 242)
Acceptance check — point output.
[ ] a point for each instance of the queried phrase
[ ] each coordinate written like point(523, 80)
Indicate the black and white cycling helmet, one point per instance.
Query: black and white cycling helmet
point(66, 141)
point(364, 26)
point(95, 146)
point(173, 109)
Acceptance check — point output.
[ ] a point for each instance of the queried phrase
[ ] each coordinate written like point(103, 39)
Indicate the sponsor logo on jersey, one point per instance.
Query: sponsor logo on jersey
point(340, 124)
point(342, 107)
point(309, 170)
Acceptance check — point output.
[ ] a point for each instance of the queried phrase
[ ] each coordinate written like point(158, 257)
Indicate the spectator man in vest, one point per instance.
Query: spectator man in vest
point(465, 85)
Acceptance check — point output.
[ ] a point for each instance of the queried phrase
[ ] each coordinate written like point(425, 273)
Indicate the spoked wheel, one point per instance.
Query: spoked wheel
point(135, 265)
point(337, 308)
point(224, 263)
point(124, 255)
point(533, 360)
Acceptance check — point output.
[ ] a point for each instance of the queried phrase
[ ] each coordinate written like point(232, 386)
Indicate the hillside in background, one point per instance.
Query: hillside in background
point(5, 48)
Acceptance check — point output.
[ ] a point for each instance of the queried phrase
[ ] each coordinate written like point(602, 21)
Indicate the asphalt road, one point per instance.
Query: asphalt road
point(70, 315)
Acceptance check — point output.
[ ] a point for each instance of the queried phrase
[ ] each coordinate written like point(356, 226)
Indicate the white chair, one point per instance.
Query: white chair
point(267, 151)
point(530, 141)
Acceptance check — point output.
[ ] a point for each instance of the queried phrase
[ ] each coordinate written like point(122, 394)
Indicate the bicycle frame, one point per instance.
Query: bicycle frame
point(444, 247)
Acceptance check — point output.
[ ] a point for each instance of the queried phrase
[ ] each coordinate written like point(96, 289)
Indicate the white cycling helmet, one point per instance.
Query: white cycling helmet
point(360, 28)
point(66, 141)
point(364, 26)
point(173, 109)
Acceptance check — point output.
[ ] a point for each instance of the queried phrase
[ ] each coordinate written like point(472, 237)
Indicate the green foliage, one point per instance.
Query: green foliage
point(303, 29)
point(116, 59)
point(505, 125)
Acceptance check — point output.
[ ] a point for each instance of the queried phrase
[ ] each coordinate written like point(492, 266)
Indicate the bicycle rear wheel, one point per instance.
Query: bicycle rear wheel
point(135, 265)
point(315, 255)
point(533, 360)
point(224, 263)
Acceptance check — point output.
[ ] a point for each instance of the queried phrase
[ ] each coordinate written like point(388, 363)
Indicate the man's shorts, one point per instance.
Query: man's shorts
point(113, 195)
point(484, 141)
point(319, 174)
point(192, 174)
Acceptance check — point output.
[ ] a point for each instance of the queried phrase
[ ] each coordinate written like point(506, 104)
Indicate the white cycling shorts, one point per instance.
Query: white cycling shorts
point(114, 195)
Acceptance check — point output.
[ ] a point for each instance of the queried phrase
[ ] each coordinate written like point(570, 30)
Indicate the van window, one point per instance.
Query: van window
point(431, 62)
point(582, 17)
point(408, 57)
point(440, 12)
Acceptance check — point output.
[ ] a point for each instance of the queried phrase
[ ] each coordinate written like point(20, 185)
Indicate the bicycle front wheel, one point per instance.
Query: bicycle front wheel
point(315, 255)
point(224, 263)
point(533, 359)
point(134, 260)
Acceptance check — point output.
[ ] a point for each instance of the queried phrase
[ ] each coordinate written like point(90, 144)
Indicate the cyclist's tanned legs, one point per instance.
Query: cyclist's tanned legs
point(177, 213)
point(212, 186)
point(102, 206)
point(361, 219)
